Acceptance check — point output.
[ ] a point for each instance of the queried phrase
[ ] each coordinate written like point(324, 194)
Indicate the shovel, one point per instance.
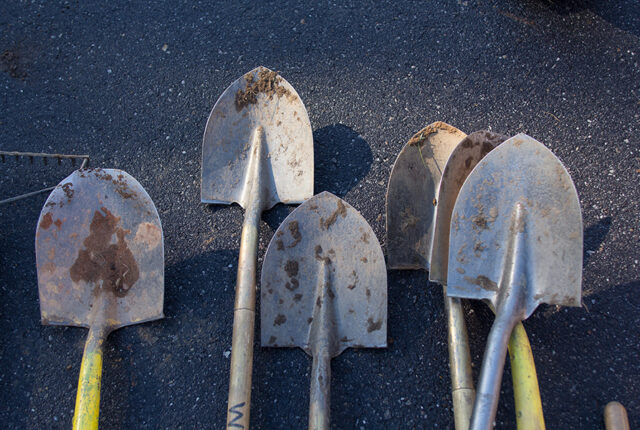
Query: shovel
point(324, 289)
point(100, 262)
point(516, 242)
point(525, 381)
point(411, 204)
point(257, 151)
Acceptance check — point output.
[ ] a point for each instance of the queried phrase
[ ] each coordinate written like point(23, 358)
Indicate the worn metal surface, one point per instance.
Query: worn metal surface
point(516, 242)
point(260, 98)
point(411, 194)
point(99, 238)
point(461, 162)
point(257, 151)
point(324, 289)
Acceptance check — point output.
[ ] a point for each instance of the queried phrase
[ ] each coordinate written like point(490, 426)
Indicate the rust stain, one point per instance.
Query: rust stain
point(47, 220)
point(49, 266)
point(101, 260)
point(148, 234)
point(340, 210)
point(58, 223)
point(68, 190)
point(272, 339)
point(279, 245)
point(373, 325)
point(297, 297)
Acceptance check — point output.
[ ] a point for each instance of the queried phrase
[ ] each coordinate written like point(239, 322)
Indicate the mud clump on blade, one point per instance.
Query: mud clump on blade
point(295, 233)
point(483, 282)
point(101, 260)
point(268, 83)
point(341, 210)
point(373, 325)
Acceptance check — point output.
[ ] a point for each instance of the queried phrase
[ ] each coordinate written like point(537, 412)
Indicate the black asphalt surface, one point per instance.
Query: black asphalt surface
point(133, 85)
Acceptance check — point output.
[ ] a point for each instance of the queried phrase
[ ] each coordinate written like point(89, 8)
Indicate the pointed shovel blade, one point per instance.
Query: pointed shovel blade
point(261, 99)
point(325, 241)
point(461, 162)
point(411, 194)
point(520, 180)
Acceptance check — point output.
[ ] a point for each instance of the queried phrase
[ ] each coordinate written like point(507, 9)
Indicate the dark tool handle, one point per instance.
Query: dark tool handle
point(615, 417)
point(319, 400)
point(244, 315)
point(462, 391)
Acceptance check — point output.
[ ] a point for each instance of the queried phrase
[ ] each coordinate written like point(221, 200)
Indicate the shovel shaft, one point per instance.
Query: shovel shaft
point(319, 399)
point(615, 417)
point(462, 391)
point(526, 393)
point(495, 354)
point(243, 323)
point(88, 396)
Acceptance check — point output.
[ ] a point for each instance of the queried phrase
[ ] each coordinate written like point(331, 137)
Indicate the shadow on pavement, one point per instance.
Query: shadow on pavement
point(342, 158)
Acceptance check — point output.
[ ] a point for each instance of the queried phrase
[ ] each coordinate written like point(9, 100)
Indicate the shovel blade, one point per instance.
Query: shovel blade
point(411, 195)
point(461, 162)
point(325, 242)
point(519, 180)
point(99, 234)
point(259, 99)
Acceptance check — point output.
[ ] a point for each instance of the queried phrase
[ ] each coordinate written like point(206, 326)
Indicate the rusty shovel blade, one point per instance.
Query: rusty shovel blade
point(99, 237)
point(411, 194)
point(324, 289)
point(516, 242)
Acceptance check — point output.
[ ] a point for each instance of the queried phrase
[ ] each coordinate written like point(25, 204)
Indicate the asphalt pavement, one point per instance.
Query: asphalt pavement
point(132, 86)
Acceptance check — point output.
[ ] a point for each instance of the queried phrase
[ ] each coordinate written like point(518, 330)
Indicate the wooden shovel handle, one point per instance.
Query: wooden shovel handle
point(244, 314)
point(615, 417)
point(88, 396)
point(526, 393)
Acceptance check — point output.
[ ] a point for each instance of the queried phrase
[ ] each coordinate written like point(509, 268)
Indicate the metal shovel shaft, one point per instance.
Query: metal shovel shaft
point(462, 391)
point(508, 314)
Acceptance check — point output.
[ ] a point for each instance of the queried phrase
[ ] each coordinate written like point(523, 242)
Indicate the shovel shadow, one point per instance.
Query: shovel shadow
point(342, 159)
point(594, 236)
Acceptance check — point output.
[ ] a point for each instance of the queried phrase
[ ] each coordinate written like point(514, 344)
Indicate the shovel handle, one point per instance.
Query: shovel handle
point(462, 392)
point(244, 315)
point(88, 396)
point(320, 396)
point(615, 417)
point(526, 393)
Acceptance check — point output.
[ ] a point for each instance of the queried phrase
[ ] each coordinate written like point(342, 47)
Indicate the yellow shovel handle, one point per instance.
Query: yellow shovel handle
point(88, 397)
point(529, 414)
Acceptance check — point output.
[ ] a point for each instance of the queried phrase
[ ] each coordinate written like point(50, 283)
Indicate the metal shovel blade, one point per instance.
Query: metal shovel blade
point(516, 242)
point(99, 234)
point(324, 289)
point(411, 194)
point(261, 99)
point(462, 160)
point(100, 263)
